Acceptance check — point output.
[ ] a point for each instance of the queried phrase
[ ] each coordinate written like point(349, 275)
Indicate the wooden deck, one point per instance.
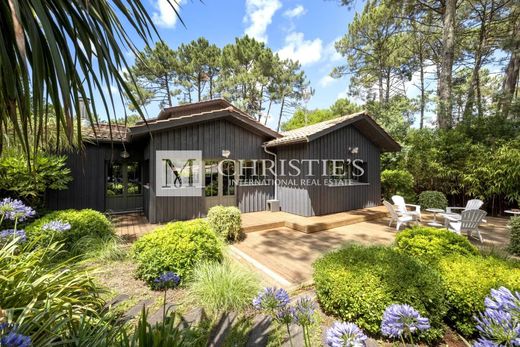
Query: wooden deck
point(265, 220)
point(131, 226)
point(289, 254)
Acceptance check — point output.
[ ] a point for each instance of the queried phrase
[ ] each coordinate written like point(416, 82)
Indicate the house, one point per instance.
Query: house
point(319, 169)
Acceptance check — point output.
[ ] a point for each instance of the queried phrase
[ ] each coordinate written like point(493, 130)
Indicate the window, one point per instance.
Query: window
point(347, 172)
point(134, 185)
point(252, 171)
point(228, 178)
point(115, 179)
point(211, 177)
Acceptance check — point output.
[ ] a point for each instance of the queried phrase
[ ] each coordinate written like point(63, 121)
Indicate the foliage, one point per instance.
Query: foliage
point(433, 199)
point(467, 280)
point(223, 287)
point(176, 247)
point(88, 228)
point(47, 55)
point(397, 182)
point(514, 228)
point(226, 221)
point(431, 244)
point(50, 300)
point(357, 283)
point(49, 172)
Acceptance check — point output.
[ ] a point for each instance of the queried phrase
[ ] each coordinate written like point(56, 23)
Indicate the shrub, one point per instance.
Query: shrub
point(433, 199)
point(514, 243)
point(430, 244)
point(357, 283)
point(223, 286)
point(86, 223)
point(397, 182)
point(468, 280)
point(50, 299)
point(175, 247)
point(226, 221)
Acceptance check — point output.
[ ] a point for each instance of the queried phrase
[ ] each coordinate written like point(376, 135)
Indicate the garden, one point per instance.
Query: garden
point(62, 270)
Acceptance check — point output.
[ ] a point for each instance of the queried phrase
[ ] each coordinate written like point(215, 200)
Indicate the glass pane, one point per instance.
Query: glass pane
point(114, 179)
point(228, 178)
point(211, 178)
point(134, 178)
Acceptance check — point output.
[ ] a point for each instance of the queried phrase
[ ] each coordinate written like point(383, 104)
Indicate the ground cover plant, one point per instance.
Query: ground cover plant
point(226, 221)
point(176, 247)
point(430, 244)
point(223, 287)
point(357, 284)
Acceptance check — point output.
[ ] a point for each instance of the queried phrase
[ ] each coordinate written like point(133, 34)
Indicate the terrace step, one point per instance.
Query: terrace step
point(259, 334)
point(117, 300)
point(265, 220)
point(158, 315)
point(137, 309)
point(222, 329)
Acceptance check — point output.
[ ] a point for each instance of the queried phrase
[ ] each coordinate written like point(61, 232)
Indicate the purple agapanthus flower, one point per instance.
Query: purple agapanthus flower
point(271, 299)
point(56, 225)
point(167, 280)
point(304, 311)
point(499, 324)
point(402, 320)
point(285, 315)
point(13, 339)
point(15, 210)
point(345, 335)
point(9, 234)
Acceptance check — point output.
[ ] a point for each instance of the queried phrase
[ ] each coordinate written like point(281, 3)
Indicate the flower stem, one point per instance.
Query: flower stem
point(289, 334)
point(164, 308)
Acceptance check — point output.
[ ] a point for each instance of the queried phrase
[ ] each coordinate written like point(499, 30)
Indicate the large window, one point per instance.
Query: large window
point(228, 178)
point(124, 178)
point(211, 178)
point(134, 185)
point(115, 179)
point(347, 172)
point(252, 171)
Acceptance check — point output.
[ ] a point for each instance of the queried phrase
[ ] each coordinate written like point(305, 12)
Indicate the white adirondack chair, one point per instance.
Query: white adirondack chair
point(473, 204)
point(395, 217)
point(403, 210)
point(469, 222)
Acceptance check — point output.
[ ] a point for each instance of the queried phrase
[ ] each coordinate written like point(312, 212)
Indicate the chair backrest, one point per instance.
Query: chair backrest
point(474, 204)
point(390, 209)
point(471, 219)
point(399, 202)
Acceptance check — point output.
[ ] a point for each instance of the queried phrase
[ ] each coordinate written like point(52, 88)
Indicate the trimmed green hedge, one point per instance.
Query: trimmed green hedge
point(357, 283)
point(176, 247)
point(399, 182)
point(468, 280)
point(433, 199)
point(226, 221)
point(514, 243)
point(85, 223)
point(430, 244)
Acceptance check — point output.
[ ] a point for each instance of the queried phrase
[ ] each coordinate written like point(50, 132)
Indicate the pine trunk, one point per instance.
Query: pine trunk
point(448, 54)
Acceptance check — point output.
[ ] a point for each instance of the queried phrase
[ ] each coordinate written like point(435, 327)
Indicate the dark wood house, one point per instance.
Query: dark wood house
point(308, 171)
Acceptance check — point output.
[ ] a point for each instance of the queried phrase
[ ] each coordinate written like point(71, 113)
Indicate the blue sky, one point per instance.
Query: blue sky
point(296, 29)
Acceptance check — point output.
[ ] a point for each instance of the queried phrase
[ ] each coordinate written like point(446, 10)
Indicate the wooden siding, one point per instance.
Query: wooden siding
point(314, 200)
point(87, 189)
point(210, 137)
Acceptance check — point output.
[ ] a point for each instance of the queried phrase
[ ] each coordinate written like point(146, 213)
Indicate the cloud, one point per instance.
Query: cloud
point(331, 53)
point(295, 12)
point(326, 81)
point(165, 15)
point(259, 14)
point(297, 48)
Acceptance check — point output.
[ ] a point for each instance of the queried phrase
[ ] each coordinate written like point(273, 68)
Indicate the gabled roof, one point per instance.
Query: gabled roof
point(198, 112)
point(362, 121)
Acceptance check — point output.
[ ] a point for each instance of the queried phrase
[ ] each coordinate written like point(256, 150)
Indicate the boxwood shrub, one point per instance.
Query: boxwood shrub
point(433, 199)
point(430, 244)
point(85, 223)
point(357, 283)
point(514, 243)
point(175, 247)
point(226, 221)
point(468, 280)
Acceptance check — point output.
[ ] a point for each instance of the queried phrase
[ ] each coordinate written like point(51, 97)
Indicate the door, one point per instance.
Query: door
point(220, 188)
point(124, 186)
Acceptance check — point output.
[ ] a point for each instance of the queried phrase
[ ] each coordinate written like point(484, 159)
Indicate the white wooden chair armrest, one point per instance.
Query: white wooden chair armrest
point(417, 207)
point(448, 209)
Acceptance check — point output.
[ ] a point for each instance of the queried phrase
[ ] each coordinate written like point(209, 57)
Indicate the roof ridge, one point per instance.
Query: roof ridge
point(331, 120)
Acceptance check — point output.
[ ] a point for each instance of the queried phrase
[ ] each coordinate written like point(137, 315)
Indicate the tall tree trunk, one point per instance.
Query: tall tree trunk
point(475, 80)
point(211, 87)
point(168, 94)
point(199, 87)
point(268, 111)
point(387, 91)
point(421, 78)
point(380, 86)
point(510, 83)
point(448, 54)
point(480, 111)
point(281, 114)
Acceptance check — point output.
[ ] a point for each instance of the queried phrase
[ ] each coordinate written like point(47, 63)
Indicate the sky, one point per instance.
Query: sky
point(303, 30)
